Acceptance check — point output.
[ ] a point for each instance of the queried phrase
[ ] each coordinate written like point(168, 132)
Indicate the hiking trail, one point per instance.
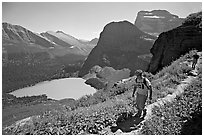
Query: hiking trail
point(133, 125)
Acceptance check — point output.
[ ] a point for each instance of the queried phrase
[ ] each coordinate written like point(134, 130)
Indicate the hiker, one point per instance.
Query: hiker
point(195, 59)
point(141, 87)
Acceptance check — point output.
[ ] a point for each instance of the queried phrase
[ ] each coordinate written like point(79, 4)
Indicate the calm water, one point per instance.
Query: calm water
point(58, 89)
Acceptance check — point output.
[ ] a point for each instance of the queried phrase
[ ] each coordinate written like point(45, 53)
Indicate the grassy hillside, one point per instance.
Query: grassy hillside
point(182, 116)
point(103, 109)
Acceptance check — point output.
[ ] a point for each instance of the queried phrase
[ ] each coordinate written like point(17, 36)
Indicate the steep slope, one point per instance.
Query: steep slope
point(172, 44)
point(157, 21)
point(94, 41)
point(119, 46)
point(17, 39)
point(55, 39)
point(74, 44)
point(22, 40)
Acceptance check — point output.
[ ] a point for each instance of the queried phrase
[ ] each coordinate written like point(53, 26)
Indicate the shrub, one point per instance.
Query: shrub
point(180, 116)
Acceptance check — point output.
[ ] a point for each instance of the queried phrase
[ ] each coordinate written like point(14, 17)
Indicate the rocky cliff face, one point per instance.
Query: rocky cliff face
point(157, 21)
point(172, 44)
point(119, 46)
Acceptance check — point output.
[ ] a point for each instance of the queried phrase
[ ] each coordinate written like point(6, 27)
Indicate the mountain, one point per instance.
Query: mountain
point(157, 21)
point(18, 39)
point(119, 46)
point(172, 44)
point(77, 46)
point(94, 41)
point(91, 42)
point(29, 58)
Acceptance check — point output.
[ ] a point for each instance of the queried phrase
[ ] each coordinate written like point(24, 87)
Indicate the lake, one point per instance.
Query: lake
point(57, 89)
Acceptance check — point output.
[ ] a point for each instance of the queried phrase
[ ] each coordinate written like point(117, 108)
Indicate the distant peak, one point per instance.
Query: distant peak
point(50, 31)
point(163, 11)
point(125, 22)
point(160, 11)
point(59, 31)
point(156, 12)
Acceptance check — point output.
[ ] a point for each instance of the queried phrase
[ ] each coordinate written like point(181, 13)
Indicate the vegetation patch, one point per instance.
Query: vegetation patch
point(92, 113)
point(181, 117)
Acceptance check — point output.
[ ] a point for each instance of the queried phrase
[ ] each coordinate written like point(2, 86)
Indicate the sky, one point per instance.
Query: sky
point(84, 20)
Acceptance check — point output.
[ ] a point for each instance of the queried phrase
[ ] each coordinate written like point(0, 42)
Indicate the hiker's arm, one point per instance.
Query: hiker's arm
point(149, 86)
point(150, 92)
point(134, 90)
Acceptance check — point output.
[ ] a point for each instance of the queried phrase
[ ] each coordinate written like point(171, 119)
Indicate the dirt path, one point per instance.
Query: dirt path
point(133, 125)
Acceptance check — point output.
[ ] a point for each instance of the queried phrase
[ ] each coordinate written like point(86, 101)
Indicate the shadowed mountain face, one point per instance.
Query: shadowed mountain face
point(157, 21)
point(119, 46)
point(174, 43)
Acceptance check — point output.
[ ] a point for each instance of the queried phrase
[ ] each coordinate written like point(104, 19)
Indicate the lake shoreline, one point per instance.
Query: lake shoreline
point(79, 82)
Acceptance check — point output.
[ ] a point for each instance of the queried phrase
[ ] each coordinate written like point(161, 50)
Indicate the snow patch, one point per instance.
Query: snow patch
point(148, 39)
point(156, 17)
point(71, 47)
point(149, 13)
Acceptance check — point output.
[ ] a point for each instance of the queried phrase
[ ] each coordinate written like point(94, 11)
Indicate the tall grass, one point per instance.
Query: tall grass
point(183, 116)
point(95, 112)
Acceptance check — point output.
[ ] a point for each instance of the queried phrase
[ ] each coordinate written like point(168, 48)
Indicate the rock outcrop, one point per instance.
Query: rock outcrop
point(119, 46)
point(105, 77)
point(157, 21)
point(172, 44)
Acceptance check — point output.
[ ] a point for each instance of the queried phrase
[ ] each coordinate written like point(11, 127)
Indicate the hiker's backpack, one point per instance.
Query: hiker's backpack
point(143, 83)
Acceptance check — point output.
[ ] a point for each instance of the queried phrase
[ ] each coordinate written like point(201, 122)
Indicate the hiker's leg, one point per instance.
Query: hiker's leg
point(141, 99)
point(138, 106)
point(144, 99)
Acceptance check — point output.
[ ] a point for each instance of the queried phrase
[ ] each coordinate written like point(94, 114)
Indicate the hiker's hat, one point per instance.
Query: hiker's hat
point(138, 72)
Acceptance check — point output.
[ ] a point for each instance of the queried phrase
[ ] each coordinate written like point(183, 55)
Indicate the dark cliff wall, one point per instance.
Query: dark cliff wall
point(172, 44)
point(119, 46)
